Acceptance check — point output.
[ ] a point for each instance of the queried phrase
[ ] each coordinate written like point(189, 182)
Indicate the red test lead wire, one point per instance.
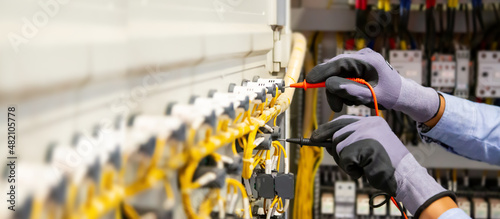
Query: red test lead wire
point(306, 85)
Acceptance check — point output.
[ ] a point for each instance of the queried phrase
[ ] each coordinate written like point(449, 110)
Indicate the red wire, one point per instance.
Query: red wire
point(430, 3)
point(361, 81)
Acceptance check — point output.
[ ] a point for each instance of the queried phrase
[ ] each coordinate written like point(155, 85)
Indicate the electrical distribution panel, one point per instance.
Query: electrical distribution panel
point(462, 82)
point(488, 74)
point(443, 72)
point(408, 63)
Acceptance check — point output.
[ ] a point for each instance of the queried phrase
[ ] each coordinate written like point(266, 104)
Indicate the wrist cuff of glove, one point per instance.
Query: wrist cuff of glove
point(415, 186)
point(433, 199)
point(420, 103)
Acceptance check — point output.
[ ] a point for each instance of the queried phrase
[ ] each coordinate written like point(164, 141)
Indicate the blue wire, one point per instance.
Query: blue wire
point(405, 4)
point(371, 44)
point(413, 45)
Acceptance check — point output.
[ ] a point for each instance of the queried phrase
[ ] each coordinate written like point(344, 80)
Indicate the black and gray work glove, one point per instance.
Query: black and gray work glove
point(392, 90)
point(367, 146)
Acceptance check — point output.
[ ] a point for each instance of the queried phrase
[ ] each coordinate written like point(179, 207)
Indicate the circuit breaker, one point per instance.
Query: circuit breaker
point(464, 204)
point(462, 81)
point(408, 63)
point(345, 197)
point(494, 208)
point(488, 74)
point(443, 72)
point(363, 205)
point(358, 111)
point(480, 208)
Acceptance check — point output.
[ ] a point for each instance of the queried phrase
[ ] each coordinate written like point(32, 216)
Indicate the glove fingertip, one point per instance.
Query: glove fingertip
point(317, 74)
point(335, 102)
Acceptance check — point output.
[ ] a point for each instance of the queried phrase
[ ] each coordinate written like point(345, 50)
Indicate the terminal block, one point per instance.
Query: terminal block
point(264, 184)
point(270, 87)
point(148, 148)
point(241, 101)
point(59, 192)
point(488, 74)
point(236, 167)
point(285, 185)
point(266, 144)
point(276, 133)
point(221, 107)
point(443, 72)
point(256, 93)
point(219, 180)
point(279, 82)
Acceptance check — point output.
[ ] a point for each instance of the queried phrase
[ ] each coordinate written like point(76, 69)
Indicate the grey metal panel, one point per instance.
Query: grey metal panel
point(343, 18)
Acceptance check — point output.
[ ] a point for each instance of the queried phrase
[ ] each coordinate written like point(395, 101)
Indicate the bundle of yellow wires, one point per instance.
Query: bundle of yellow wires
point(310, 157)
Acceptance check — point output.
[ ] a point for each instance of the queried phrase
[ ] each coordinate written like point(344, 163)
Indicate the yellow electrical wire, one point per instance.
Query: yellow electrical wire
point(130, 211)
point(233, 147)
point(186, 161)
point(314, 106)
point(169, 192)
point(237, 184)
point(310, 157)
point(206, 206)
point(360, 44)
point(403, 45)
point(253, 110)
point(237, 118)
point(452, 3)
point(280, 206)
point(330, 118)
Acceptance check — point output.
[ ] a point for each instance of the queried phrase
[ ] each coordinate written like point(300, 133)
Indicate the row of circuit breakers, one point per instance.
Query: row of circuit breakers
point(342, 198)
point(451, 72)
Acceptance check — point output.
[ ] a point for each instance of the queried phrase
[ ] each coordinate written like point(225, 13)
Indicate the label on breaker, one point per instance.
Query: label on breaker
point(443, 72)
point(408, 63)
point(382, 210)
point(488, 74)
point(358, 111)
point(495, 208)
point(480, 208)
point(327, 203)
point(362, 205)
point(345, 195)
point(464, 204)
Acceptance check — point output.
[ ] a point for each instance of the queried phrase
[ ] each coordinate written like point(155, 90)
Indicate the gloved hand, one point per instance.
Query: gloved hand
point(367, 146)
point(392, 90)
